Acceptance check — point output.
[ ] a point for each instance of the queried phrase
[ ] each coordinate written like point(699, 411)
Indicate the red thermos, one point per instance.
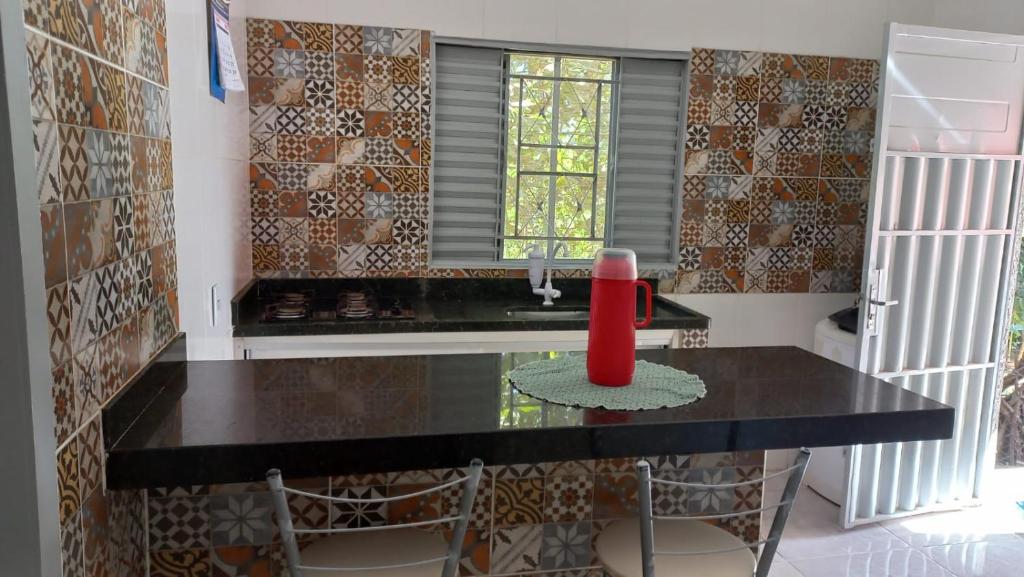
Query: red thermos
point(611, 352)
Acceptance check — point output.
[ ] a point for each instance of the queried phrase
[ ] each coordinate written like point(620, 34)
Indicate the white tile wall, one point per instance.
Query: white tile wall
point(828, 27)
point(764, 319)
point(211, 151)
point(586, 22)
point(522, 20)
point(793, 26)
point(990, 15)
point(860, 26)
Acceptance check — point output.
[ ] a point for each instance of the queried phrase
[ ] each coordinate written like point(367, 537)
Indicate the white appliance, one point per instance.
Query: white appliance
point(827, 469)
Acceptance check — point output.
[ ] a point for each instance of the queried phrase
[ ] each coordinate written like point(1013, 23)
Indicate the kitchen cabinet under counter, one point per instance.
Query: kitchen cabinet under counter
point(310, 318)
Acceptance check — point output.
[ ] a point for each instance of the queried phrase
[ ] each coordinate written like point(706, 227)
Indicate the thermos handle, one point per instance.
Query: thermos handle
point(647, 311)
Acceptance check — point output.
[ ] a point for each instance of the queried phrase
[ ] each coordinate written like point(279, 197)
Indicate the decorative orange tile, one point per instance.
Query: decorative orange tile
point(180, 563)
point(615, 495)
point(54, 254)
point(323, 257)
point(421, 508)
point(96, 532)
point(378, 124)
point(242, 560)
point(90, 235)
point(476, 552)
point(291, 204)
point(321, 149)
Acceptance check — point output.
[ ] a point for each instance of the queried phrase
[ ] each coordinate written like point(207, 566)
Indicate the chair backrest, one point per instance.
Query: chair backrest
point(460, 522)
point(795, 474)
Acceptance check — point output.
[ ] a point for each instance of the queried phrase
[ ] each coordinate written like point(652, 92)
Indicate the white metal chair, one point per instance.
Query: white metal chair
point(710, 550)
point(400, 550)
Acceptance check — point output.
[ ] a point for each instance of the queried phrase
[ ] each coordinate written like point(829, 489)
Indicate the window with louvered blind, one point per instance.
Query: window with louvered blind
point(468, 144)
point(533, 146)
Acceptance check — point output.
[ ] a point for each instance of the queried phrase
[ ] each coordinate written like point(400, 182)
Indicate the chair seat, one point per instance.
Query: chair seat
point(375, 548)
point(618, 549)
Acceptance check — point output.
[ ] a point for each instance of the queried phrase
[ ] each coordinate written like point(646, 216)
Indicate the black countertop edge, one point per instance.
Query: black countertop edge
point(147, 468)
point(442, 305)
point(125, 409)
point(187, 423)
point(301, 328)
point(425, 287)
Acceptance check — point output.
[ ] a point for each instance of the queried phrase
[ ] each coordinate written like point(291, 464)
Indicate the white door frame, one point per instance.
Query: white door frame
point(876, 469)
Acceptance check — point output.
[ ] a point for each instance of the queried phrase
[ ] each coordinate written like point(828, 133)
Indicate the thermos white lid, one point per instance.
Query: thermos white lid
point(615, 264)
point(536, 260)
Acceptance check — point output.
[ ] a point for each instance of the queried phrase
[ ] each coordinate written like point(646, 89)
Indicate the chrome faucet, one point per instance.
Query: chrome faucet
point(549, 292)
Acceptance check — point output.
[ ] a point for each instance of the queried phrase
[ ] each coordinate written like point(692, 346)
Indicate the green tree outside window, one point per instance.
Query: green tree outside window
point(559, 131)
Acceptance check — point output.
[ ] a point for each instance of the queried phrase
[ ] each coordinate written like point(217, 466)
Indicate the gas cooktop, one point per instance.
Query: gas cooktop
point(346, 306)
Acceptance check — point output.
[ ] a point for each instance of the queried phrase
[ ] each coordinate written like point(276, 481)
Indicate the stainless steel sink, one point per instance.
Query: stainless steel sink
point(555, 313)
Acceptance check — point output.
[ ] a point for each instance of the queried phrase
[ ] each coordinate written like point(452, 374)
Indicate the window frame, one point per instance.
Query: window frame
point(497, 262)
point(613, 84)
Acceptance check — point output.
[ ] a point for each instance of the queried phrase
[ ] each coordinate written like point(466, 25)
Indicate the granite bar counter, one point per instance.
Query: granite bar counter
point(204, 422)
point(437, 305)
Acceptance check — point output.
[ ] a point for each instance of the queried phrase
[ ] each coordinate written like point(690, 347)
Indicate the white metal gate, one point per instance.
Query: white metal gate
point(938, 257)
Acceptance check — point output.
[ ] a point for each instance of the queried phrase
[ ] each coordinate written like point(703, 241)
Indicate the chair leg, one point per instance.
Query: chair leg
point(451, 564)
point(764, 562)
point(284, 522)
point(643, 470)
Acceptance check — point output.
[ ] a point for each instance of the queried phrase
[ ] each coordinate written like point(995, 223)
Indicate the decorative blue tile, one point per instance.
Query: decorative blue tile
point(566, 545)
point(783, 212)
point(156, 114)
point(794, 91)
point(242, 519)
point(100, 156)
point(377, 40)
point(711, 500)
point(717, 187)
point(843, 281)
point(289, 63)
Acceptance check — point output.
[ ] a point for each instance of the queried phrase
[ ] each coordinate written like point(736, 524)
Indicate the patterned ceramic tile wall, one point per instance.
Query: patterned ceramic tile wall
point(340, 149)
point(527, 519)
point(777, 161)
point(778, 156)
point(98, 81)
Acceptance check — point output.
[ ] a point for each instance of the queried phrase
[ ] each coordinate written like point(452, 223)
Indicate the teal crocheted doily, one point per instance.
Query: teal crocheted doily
point(563, 380)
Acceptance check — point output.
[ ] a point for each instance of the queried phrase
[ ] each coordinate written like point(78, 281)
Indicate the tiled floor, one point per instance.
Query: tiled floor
point(987, 541)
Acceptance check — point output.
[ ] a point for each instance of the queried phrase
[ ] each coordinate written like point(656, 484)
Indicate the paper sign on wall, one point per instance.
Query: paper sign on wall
point(224, 73)
point(230, 78)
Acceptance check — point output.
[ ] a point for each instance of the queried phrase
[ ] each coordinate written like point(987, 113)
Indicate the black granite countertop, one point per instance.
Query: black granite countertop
point(203, 422)
point(440, 305)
